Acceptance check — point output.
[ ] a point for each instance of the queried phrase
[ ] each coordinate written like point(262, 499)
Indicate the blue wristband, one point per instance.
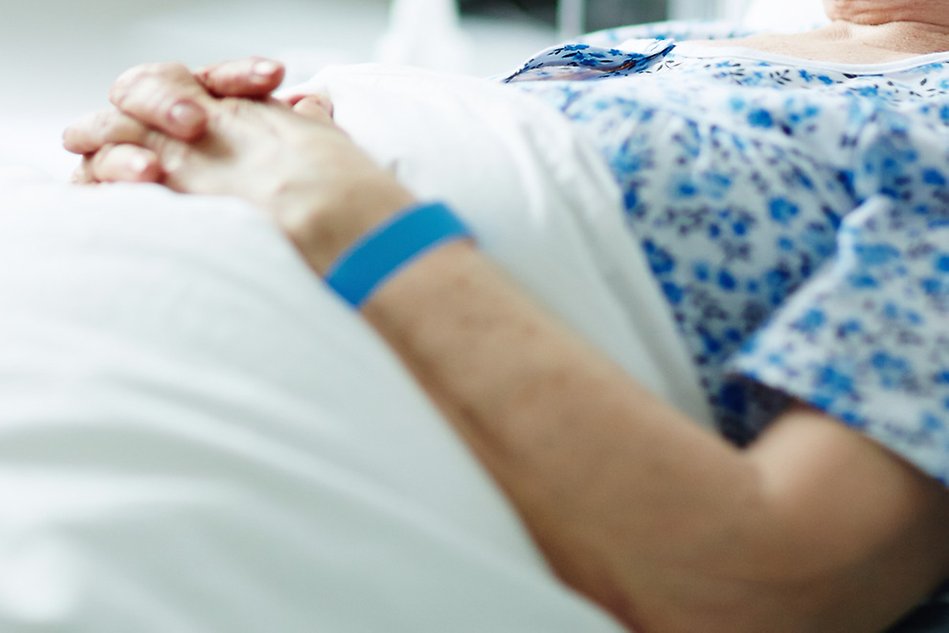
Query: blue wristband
point(380, 254)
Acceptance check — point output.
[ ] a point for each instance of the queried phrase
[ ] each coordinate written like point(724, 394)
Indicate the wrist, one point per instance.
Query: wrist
point(324, 225)
point(386, 251)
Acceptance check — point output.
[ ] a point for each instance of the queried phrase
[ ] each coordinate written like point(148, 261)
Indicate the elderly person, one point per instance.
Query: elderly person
point(792, 195)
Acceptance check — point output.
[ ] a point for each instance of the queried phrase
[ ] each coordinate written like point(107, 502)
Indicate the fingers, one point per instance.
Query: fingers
point(254, 77)
point(117, 148)
point(91, 133)
point(125, 163)
point(166, 97)
point(119, 163)
point(169, 98)
point(159, 104)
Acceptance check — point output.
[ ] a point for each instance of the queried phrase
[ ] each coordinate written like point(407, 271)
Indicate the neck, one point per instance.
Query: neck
point(933, 12)
point(903, 37)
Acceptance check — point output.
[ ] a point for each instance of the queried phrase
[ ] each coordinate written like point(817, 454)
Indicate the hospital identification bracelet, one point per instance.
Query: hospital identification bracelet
point(390, 247)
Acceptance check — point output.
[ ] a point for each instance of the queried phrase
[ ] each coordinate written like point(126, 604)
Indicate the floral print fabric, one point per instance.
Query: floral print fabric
point(795, 214)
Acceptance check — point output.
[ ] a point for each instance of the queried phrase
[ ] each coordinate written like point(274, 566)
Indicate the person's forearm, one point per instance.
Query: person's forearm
point(568, 435)
point(635, 505)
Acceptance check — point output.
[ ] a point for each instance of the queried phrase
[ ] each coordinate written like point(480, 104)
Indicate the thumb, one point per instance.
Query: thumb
point(316, 107)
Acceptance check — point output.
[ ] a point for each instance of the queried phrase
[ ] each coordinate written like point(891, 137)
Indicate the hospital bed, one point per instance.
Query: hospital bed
point(228, 429)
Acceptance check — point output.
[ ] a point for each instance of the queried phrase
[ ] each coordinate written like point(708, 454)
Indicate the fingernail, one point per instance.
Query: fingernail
point(265, 68)
point(186, 114)
point(262, 73)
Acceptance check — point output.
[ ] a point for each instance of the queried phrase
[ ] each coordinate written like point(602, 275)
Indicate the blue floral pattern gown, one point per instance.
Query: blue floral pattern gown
point(795, 214)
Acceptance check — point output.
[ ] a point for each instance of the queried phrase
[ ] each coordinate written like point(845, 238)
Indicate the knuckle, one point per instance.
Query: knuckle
point(155, 68)
point(160, 68)
point(101, 123)
point(169, 69)
point(155, 141)
point(102, 128)
point(171, 154)
point(136, 87)
point(131, 75)
point(205, 73)
point(123, 84)
point(230, 107)
point(128, 130)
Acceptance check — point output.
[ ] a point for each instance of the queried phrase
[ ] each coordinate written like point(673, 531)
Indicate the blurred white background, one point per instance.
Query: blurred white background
point(60, 56)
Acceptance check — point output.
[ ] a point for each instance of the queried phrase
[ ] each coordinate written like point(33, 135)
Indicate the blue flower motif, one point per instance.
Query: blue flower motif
point(863, 281)
point(783, 210)
point(673, 292)
point(934, 177)
point(834, 383)
point(849, 327)
point(941, 263)
point(660, 260)
point(777, 278)
point(877, 254)
point(891, 369)
point(812, 321)
point(796, 215)
point(727, 281)
point(933, 287)
point(932, 423)
point(760, 118)
point(701, 270)
point(685, 188)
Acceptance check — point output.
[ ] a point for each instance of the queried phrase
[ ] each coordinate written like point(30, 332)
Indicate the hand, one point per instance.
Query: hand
point(179, 117)
point(321, 188)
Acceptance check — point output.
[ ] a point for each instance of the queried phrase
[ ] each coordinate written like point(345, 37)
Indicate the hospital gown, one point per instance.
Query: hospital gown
point(795, 215)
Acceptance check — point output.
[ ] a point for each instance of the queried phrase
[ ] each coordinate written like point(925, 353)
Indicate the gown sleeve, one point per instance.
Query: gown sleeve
point(866, 339)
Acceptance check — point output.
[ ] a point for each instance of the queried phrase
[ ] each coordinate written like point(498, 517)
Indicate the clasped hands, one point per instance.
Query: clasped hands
point(219, 132)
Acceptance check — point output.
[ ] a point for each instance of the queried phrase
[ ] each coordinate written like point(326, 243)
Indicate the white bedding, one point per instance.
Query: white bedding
point(195, 435)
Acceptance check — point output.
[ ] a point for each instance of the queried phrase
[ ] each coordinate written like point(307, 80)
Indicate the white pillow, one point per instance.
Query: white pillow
point(553, 215)
point(197, 436)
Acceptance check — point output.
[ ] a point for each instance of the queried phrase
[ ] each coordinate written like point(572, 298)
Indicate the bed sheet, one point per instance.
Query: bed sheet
point(195, 435)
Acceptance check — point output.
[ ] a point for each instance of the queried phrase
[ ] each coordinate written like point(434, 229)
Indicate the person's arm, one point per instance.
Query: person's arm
point(814, 529)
